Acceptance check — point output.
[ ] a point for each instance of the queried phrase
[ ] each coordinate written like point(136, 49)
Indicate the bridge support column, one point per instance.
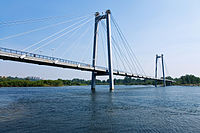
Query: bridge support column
point(163, 70)
point(96, 28)
point(111, 81)
point(156, 70)
point(110, 71)
point(93, 82)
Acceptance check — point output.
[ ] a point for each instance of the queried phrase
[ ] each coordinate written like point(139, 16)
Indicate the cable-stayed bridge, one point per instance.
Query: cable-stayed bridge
point(124, 63)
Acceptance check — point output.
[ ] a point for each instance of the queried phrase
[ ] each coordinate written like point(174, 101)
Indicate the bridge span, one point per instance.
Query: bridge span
point(21, 56)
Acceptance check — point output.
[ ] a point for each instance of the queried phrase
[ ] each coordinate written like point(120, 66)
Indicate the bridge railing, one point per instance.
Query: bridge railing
point(27, 54)
point(54, 59)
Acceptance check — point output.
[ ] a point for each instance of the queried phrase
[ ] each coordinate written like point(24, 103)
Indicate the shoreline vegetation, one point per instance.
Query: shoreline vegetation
point(187, 80)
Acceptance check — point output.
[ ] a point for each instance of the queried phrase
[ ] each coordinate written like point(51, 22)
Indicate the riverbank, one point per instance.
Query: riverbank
point(28, 82)
point(187, 80)
point(38, 83)
point(188, 85)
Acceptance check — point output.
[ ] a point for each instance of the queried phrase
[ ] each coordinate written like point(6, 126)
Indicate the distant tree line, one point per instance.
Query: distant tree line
point(20, 82)
point(186, 80)
point(29, 82)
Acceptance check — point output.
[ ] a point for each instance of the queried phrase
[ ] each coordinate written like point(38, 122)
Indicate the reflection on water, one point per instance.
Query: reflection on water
point(77, 109)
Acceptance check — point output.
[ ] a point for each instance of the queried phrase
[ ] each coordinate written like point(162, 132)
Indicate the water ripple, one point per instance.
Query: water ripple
point(77, 109)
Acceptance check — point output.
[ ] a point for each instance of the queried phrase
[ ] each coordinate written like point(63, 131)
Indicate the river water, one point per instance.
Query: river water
point(76, 109)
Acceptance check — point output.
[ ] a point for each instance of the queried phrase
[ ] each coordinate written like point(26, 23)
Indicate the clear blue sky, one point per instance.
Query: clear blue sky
point(171, 27)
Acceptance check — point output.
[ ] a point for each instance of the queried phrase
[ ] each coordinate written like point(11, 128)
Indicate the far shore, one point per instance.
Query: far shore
point(187, 80)
point(186, 85)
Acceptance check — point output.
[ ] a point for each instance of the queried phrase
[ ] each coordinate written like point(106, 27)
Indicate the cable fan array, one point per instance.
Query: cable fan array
point(73, 39)
point(123, 55)
point(67, 36)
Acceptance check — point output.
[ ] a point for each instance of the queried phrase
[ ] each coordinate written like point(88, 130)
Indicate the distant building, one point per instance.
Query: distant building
point(33, 78)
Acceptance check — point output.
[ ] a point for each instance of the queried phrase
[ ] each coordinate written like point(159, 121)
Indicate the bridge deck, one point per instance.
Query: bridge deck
point(20, 56)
